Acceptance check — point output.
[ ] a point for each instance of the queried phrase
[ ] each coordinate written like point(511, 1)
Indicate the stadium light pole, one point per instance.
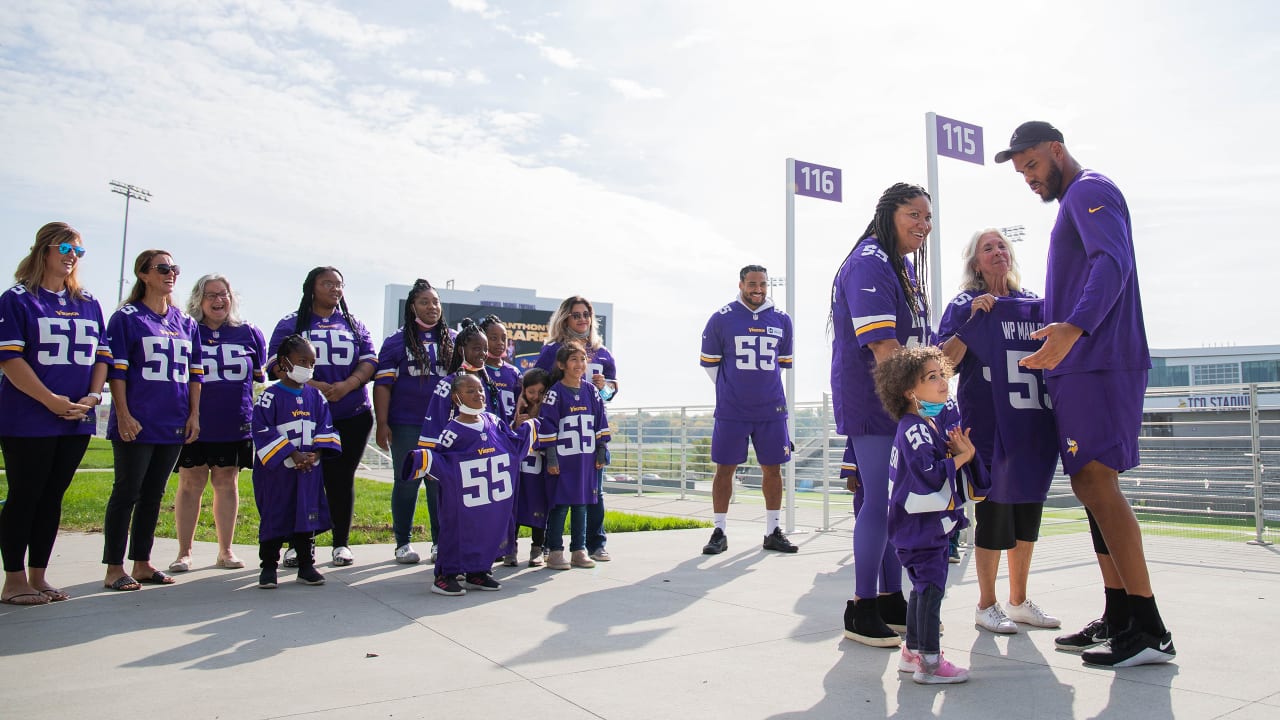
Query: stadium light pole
point(129, 192)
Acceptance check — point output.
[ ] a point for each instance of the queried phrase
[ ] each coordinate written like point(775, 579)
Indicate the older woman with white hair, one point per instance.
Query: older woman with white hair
point(233, 354)
point(1009, 519)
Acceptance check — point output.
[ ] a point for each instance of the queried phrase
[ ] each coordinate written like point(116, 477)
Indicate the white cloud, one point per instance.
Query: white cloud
point(443, 78)
point(633, 90)
point(477, 77)
point(559, 56)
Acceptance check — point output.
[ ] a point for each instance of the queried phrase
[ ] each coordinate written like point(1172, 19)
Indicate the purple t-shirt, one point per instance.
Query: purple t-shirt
point(233, 357)
point(505, 383)
point(926, 491)
point(1093, 279)
point(154, 356)
point(411, 386)
point(285, 420)
point(440, 408)
point(340, 347)
point(751, 348)
point(478, 467)
point(573, 419)
point(1016, 415)
point(61, 338)
point(868, 304)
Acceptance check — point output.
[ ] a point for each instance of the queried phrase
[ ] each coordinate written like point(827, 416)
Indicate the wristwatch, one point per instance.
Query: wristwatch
point(95, 396)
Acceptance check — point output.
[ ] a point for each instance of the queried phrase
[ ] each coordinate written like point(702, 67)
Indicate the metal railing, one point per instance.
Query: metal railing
point(1208, 469)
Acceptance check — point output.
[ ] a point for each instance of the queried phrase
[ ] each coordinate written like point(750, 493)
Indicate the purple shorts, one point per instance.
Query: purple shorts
point(768, 437)
point(1099, 417)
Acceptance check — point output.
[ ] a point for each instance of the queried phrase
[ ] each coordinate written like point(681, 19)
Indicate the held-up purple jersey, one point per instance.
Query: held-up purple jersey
point(974, 394)
point(232, 357)
point(599, 362)
point(61, 338)
point(340, 347)
point(478, 467)
point(532, 504)
point(289, 501)
point(573, 419)
point(505, 381)
point(1093, 279)
point(440, 409)
point(750, 348)
point(1016, 414)
point(154, 356)
point(926, 492)
point(411, 387)
point(868, 304)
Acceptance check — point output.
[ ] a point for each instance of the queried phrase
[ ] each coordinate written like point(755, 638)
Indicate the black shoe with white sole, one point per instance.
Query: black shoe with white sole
point(1091, 635)
point(717, 544)
point(862, 623)
point(1132, 647)
point(777, 541)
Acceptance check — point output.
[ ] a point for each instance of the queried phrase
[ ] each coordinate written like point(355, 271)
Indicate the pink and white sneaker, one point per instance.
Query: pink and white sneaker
point(909, 661)
point(942, 673)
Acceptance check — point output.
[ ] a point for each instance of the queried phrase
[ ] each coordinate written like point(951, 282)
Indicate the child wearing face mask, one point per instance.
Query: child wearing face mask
point(292, 429)
point(931, 473)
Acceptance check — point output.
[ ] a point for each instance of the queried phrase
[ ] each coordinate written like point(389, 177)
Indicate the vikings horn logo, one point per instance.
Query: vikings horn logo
point(1072, 447)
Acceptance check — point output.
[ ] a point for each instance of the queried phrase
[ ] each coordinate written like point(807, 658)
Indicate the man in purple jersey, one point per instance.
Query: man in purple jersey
point(745, 347)
point(1096, 361)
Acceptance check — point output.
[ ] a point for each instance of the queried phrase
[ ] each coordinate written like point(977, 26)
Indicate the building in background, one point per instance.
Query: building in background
point(1204, 391)
point(523, 313)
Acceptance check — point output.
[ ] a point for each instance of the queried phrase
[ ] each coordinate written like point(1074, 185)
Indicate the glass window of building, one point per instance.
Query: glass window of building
point(1216, 374)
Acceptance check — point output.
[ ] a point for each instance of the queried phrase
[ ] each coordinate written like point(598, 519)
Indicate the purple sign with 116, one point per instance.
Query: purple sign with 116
point(817, 181)
point(959, 140)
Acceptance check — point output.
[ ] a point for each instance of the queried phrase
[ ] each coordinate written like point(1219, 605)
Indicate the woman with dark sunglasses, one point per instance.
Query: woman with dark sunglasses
point(155, 410)
point(55, 362)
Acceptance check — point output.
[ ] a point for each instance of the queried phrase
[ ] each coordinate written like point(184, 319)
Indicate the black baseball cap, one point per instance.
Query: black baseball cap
point(1029, 134)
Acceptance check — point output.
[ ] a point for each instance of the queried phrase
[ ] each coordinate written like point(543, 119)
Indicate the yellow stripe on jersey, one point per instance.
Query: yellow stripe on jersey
point(270, 451)
point(17, 347)
point(711, 359)
point(889, 324)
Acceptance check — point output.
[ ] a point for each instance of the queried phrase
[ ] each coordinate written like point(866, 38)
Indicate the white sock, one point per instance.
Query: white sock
point(720, 520)
point(771, 521)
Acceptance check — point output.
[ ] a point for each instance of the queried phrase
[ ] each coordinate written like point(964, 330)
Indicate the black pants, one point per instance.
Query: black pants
point(39, 471)
point(269, 550)
point(142, 471)
point(340, 473)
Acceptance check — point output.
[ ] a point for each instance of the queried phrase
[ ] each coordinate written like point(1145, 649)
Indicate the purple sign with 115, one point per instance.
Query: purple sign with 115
point(959, 140)
point(817, 181)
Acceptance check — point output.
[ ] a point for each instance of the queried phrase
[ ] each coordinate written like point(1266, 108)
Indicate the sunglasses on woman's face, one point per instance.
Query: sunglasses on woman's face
point(165, 269)
point(66, 247)
point(580, 315)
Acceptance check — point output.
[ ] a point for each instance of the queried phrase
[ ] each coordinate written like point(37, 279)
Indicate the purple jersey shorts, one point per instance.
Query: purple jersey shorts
point(768, 437)
point(1099, 417)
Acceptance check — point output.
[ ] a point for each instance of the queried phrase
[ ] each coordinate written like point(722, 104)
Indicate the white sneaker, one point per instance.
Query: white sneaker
point(433, 553)
point(405, 555)
point(510, 560)
point(1029, 613)
point(994, 619)
point(342, 556)
point(291, 558)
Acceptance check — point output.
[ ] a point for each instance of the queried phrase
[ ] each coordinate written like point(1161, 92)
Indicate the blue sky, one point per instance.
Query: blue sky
point(631, 152)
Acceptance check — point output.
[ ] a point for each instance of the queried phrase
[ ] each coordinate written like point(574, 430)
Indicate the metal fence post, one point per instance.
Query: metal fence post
point(1255, 442)
point(684, 455)
point(826, 464)
point(639, 451)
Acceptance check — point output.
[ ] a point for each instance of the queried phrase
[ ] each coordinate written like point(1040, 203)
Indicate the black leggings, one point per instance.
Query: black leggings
point(39, 471)
point(340, 473)
point(269, 550)
point(142, 471)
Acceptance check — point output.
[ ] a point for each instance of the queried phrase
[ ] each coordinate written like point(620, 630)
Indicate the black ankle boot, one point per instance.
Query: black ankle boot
point(893, 611)
point(862, 623)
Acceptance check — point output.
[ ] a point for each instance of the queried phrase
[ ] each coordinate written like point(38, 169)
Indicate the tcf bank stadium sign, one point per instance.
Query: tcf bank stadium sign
point(1215, 402)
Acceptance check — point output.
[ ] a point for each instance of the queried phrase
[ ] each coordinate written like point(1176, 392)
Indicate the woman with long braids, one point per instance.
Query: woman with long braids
point(345, 361)
point(576, 320)
point(54, 355)
point(878, 305)
point(410, 365)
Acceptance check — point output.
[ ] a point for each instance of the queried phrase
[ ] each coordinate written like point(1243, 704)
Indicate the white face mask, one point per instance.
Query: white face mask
point(467, 410)
point(300, 374)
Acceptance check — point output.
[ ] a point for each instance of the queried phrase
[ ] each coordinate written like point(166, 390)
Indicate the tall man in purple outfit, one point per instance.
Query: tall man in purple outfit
point(1095, 361)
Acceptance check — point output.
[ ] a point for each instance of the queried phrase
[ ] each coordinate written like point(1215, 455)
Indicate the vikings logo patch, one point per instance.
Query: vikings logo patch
point(1072, 447)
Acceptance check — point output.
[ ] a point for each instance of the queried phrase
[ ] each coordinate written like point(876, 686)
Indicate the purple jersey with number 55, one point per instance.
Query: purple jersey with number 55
point(154, 356)
point(573, 419)
point(750, 348)
point(232, 357)
point(286, 420)
point(339, 347)
point(61, 338)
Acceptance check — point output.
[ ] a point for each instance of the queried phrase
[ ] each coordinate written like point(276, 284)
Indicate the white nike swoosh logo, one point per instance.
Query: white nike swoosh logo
point(870, 289)
point(1164, 646)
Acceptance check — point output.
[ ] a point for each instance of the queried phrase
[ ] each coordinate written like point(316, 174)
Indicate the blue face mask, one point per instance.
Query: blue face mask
point(930, 409)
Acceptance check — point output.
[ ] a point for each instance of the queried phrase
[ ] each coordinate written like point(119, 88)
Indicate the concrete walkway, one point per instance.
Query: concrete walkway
point(661, 632)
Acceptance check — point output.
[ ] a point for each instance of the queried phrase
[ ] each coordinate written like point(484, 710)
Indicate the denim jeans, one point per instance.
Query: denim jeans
point(404, 495)
point(577, 525)
point(595, 518)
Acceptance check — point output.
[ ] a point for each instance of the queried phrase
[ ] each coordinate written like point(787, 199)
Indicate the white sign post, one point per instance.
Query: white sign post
point(955, 139)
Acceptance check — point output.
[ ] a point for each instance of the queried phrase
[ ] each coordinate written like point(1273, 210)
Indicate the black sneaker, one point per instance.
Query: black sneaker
point(447, 585)
point(717, 544)
point(777, 541)
point(862, 623)
point(308, 575)
point(267, 579)
point(482, 581)
point(1132, 647)
point(893, 611)
point(1095, 633)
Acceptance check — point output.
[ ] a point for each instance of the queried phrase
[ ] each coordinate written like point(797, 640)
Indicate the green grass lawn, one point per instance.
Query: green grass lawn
point(86, 501)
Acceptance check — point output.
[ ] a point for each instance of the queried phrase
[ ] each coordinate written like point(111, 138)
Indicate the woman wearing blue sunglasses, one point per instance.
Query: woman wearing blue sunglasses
point(55, 360)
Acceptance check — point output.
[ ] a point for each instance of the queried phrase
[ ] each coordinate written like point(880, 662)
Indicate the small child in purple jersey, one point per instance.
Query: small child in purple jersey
point(503, 376)
point(531, 500)
point(573, 430)
point(931, 472)
point(291, 429)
